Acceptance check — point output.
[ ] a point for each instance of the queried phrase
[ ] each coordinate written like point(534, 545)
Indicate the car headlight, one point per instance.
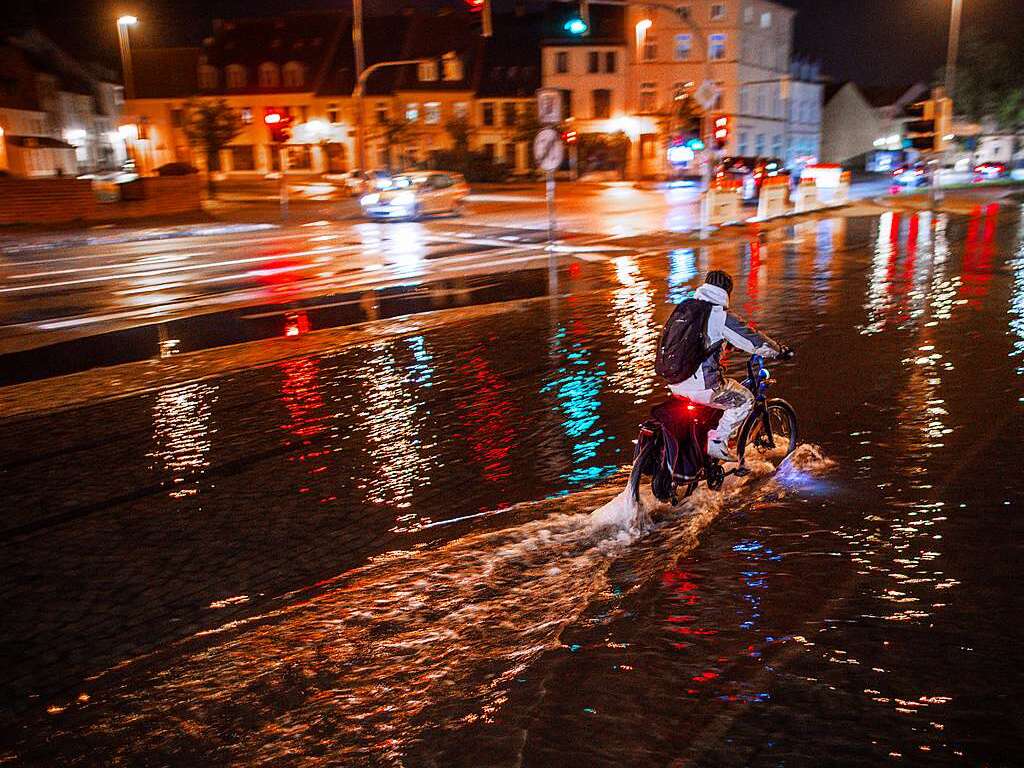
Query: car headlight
point(371, 199)
point(404, 198)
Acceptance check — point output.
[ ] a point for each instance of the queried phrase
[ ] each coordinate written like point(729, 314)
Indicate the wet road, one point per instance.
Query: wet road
point(383, 553)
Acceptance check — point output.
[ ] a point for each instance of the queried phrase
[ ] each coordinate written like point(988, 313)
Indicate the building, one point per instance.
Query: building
point(863, 127)
point(639, 62)
point(57, 116)
point(806, 92)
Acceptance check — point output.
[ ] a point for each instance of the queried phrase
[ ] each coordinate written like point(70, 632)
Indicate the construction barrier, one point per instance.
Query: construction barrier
point(842, 195)
point(774, 197)
point(724, 201)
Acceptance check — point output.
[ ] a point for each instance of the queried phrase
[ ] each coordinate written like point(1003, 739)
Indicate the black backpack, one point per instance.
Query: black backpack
point(683, 345)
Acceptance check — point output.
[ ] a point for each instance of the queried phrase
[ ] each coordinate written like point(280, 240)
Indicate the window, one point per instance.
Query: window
point(207, 77)
point(508, 113)
point(488, 112)
point(332, 113)
point(268, 75)
point(294, 74)
point(246, 115)
point(777, 145)
point(742, 148)
point(452, 65)
point(243, 158)
point(611, 63)
point(432, 112)
point(178, 117)
point(428, 71)
point(602, 103)
point(648, 97)
point(717, 11)
point(562, 62)
point(593, 62)
point(236, 76)
point(766, 20)
point(460, 109)
point(744, 99)
point(760, 101)
point(381, 111)
point(489, 152)
point(510, 154)
point(748, 17)
point(304, 113)
point(650, 48)
point(412, 112)
point(567, 110)
point(682, 47)
point(716, 46)
point(759, 145)
point(300, 157)
point(683, 11)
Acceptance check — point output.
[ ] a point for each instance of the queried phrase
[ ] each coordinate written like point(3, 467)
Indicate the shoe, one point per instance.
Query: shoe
point(717, 449)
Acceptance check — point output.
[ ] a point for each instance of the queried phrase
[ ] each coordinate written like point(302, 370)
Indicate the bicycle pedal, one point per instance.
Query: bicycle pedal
point(741, 471)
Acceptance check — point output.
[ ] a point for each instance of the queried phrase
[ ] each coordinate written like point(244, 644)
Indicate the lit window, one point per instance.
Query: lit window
point(562, 62)
point(236, 76)
point(717, 11)
point(716, 46)
point(207, 77)
point(412, 112)
point(428, 71)
point(682, 48)
point(246, 115)
point(432, 112)
point(766, 20)
point(269, 76)
point(332, 113)
point(748, 15)
point(461, 110)
point(488, 112)
point(452, 67)
point(294, 74)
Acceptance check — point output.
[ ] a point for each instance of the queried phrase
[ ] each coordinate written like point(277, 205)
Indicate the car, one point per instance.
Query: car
point(411, 195)
point(356, 183)
point(989, 171)
point(750, 172)
point(915, 175)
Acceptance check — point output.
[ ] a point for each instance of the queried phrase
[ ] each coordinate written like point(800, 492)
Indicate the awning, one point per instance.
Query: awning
point(37, 142)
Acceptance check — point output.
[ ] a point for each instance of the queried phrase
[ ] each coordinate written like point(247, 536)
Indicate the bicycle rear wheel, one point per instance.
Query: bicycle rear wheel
point(772, 431)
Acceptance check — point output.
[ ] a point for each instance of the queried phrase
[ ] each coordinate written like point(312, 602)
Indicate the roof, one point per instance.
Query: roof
point(17, 80)
point(511, 60)
point(431, 36)
point(165, 73)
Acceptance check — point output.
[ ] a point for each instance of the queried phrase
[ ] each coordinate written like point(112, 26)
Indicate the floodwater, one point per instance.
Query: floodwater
point(386, 555)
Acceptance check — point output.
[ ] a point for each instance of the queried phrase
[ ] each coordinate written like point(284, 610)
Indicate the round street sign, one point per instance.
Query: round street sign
point(706, 94)
point(548, 150)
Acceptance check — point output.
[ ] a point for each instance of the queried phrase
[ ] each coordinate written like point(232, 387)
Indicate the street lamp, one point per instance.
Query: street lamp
point(123, 23)
point(954, 44)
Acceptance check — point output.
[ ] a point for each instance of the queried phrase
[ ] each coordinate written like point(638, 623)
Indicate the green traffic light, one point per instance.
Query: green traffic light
point(576, 26)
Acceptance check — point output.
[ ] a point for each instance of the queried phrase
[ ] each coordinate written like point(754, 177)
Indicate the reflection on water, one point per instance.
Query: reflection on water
point(682, 268)
point(633, 306)
point(183, 433)
point(1017, 296)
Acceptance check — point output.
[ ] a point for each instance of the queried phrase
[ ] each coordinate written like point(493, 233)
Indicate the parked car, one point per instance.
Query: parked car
point(751, 173)
point(411, 195)
point(990, 171)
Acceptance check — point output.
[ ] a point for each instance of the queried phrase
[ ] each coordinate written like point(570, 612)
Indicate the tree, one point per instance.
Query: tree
point(460, 130)
point(393, 133)
point(211, 126)
point(989, 84)
point(527, 129)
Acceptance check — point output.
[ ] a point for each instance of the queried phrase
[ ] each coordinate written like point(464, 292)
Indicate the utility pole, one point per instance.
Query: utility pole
point(357, 46)
point(954, 45)
point(123, 23)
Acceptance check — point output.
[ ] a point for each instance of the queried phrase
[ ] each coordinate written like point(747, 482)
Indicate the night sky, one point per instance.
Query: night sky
point(875, 42)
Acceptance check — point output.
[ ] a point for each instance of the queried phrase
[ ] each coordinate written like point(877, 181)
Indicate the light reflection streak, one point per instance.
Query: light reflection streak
point(682, 268)
point(183, 433)
point(633, 305)
point(1017, 297)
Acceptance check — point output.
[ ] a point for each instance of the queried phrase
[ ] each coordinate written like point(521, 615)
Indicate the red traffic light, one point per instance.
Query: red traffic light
point(569, 137)
point(280, 124)
point(475, 5)
point(721, 135)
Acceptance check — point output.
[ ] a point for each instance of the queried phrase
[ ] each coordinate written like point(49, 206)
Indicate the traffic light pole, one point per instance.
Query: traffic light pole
point(358, 97)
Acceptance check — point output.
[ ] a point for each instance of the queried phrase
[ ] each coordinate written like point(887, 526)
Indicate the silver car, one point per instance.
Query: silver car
point(421, 193)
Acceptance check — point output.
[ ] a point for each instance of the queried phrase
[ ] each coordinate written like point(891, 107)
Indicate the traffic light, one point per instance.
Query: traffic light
point(721, 132)
point(930, 124)
point(483, 7)
point(570, 136)
point(579, 25)
point(279, 123)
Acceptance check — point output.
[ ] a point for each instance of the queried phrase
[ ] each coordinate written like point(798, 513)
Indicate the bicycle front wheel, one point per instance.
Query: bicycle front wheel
point(771, 431)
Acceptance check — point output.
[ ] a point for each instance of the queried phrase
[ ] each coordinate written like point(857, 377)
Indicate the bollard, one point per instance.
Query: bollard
point(724, 201)
point(773, 198)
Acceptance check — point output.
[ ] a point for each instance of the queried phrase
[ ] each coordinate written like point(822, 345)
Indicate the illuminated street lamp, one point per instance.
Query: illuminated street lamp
point(123, 40)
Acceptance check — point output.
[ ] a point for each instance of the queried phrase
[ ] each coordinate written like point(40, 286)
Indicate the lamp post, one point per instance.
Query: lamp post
point(358, 94)
point(954, 45)
point(123, 40)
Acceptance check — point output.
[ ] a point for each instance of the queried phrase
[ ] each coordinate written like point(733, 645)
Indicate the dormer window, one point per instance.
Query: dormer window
point(207, 77)
point(294, 74)
point(452, 67)
point(428, 71)
point(236, 76)
point(268, 75)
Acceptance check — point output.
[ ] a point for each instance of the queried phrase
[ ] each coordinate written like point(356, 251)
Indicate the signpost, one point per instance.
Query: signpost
point(548, 149)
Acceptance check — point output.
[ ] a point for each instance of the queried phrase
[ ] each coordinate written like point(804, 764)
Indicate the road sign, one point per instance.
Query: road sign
point(548, 150)
point(706, 95)
point(549, 106)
